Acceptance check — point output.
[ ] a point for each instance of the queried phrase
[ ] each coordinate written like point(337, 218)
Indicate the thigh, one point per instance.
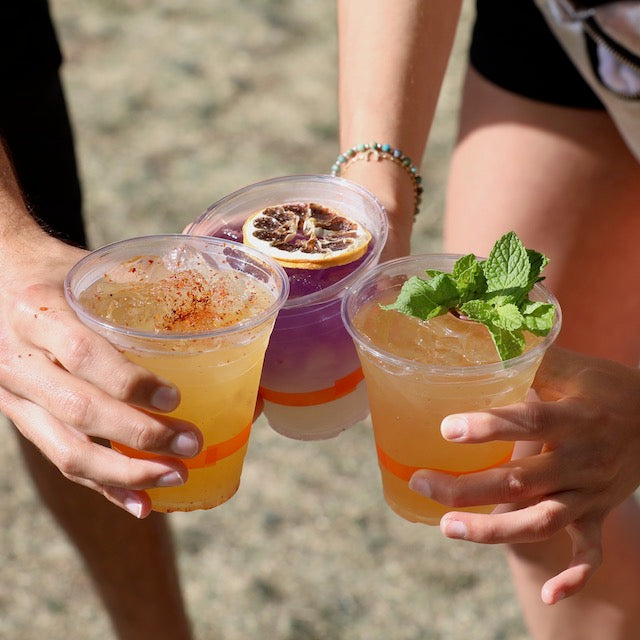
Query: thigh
point(564, 181)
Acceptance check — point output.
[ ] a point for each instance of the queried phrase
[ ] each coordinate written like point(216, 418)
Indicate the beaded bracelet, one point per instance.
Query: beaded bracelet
point(376, 151)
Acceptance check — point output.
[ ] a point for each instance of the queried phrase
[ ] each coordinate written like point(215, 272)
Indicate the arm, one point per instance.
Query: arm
point(392, 59)
point(571, 483)
point(63, 385)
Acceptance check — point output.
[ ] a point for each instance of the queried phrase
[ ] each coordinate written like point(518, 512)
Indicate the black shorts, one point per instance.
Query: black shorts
point(513, 47)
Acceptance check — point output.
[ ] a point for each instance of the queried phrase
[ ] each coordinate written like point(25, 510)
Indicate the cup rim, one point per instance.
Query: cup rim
point(93, 320)
point(337, 289)
point(453, 371)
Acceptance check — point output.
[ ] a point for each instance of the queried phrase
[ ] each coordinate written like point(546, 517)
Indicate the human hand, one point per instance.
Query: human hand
point(64, 386)
point(588, 419)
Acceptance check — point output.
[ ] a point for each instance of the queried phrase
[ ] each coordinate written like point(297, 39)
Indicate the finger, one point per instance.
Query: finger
point(586, 558)
point(513, 482)
point(529, 524)
point(556, 376)
point(95, 413)
point(89, 356)
point(521, 421)
point(137, 503)
point(84, 461)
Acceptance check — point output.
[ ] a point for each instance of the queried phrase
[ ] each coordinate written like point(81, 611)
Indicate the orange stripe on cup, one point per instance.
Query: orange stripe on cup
point(206, 458)
point(341, 387)
point(404, 472)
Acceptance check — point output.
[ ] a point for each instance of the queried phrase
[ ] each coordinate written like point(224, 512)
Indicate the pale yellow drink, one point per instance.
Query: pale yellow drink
point(203, 323)
point(417, 372)
point(218, 394)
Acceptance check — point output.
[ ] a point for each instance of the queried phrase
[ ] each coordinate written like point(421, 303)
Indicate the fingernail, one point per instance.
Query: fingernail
point(454, 428)
point(185, 444)
point(133, 506)
point(171, 479)
point(165, 398)
point(547, 596)
point(420, 485)
point(454, 529)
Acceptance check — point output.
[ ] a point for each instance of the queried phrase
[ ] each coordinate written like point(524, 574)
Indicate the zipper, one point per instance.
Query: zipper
point(580, 10)
point(593, 29)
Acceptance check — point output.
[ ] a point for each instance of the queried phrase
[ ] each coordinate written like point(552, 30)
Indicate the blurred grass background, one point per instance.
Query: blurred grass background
point(176, 105)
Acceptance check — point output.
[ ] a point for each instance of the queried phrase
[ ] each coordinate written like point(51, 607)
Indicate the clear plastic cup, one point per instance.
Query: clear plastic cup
point(409, 399)
point(312, 383)
point(216, 370)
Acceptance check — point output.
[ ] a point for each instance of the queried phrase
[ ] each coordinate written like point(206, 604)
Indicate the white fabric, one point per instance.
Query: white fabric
point(621, 21)
point(616, 75)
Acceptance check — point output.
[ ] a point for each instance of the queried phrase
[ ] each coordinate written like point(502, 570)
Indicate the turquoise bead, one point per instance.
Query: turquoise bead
point(396, 154)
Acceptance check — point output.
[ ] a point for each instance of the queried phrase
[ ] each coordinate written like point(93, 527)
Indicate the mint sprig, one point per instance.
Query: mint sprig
point(493, 292)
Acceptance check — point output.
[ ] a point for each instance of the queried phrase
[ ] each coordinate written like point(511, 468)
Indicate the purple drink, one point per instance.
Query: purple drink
point(311, 383)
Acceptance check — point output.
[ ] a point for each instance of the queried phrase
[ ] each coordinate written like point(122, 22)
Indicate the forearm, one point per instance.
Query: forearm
point(392, 59)
point(17, 226)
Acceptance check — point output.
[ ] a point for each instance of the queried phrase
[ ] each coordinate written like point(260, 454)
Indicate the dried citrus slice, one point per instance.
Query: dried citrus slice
point(306, 235)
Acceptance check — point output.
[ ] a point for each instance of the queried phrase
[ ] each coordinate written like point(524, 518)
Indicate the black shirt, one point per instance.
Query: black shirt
point(28, 43)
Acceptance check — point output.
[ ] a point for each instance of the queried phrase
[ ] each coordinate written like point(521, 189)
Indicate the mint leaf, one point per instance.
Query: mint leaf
point(504, 324)
point(509, 344)
point(479, 310)
point(469, 277)
point(426, 299)
point(538, 262)
point(493, 292)
point(508, 317)
point(539, 317)
point(507, 269)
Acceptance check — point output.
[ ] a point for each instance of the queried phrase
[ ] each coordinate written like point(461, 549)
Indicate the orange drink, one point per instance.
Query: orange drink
point(198, 312)
point(419, 371)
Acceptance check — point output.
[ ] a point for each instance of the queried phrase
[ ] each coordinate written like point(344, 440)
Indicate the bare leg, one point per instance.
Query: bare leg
point(563, 180)
point(131, 561)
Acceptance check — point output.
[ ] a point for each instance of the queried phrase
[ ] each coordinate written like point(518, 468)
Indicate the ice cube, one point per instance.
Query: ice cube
point(184, 258)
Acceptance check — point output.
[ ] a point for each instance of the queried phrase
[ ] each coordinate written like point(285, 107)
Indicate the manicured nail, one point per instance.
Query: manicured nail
point(185, 444)
point(133, 506)
point(171, 479)
point(548, 598)
point(165, 398)
point(454, 428)
point(420, 485)
point(454, 529)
